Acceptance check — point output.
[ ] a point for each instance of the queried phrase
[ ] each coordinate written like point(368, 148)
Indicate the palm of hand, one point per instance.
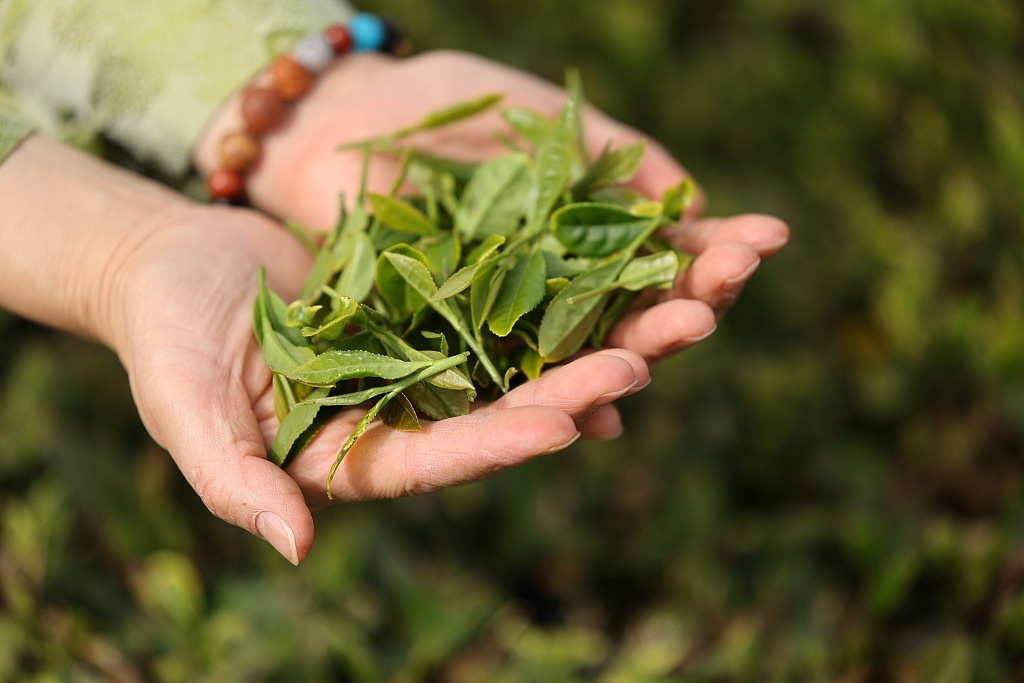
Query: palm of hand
point(204, 392)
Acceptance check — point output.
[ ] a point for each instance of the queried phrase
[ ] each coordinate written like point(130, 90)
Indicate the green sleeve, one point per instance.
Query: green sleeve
point(14, 126)
point(145, 74)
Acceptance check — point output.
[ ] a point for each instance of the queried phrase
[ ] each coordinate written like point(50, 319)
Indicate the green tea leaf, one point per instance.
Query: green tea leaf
point(596, 230)
point(485, 249)
point(352, 399)
point(553, 286)
point(484, 290)
point(306, 236)
point(284, 398)
point(450, 115)
point(292, 427)
point(656, 270)
point(678, 199)
point(551, 169)
point(402, 299)
point(399, 387)
point(401, 415)
point(443, 253)
point(332, 367)
point(574, 84)
point(324, 267)
point(400, 216)
point(616, 309)
point(532, 363)
point(613, 167)
point(530, 125)
point(565, 326)
point(356, 279)
point(279, 353)
point(464, 278)
point(335, 323)
point(298, 314)
point(451, 379)
point(268, 304)
point(455, 284)
point(495, 200)
point(522, 289)
point(414, 272)
point(437, 403)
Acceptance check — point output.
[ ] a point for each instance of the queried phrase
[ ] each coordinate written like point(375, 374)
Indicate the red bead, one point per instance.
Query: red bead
point(290, 80)
point(225, 184)
point(262, 110)
point(339, 38)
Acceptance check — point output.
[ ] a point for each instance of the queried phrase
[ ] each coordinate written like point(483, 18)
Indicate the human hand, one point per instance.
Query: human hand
point(365, 95)
point(204, 393)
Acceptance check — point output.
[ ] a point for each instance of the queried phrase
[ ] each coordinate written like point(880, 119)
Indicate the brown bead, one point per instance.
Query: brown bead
point(262, 110)
point(339, 38)
point(225, 184)
point(289, 79)
point(239, 151)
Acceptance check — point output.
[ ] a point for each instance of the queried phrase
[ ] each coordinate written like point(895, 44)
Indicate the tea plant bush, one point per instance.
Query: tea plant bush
point(828, 489)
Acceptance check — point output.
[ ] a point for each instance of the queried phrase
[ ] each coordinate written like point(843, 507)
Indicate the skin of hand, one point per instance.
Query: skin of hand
point(365, 95)
point(169, 285)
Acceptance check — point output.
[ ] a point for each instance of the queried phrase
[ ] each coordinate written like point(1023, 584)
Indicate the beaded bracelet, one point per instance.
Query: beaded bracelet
point(286, 80)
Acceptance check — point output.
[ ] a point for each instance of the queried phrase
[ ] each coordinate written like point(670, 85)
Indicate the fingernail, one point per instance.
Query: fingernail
point(641, 387)
point(605, 399)
point(274, 531)
point(564, 445)
point(694, 340)
point(742, 278)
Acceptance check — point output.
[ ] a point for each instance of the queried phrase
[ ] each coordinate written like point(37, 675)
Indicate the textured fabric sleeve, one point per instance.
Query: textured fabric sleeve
point(14, 127)
point(146, 74)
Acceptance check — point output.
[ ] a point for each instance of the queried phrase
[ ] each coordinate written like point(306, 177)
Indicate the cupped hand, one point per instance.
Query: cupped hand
point(204, 393)
point(366, 95)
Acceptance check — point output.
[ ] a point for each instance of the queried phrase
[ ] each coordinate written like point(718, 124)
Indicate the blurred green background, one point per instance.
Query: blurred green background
point(829, 489)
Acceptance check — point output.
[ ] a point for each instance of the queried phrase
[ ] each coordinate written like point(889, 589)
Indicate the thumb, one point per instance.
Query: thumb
point(210, 430)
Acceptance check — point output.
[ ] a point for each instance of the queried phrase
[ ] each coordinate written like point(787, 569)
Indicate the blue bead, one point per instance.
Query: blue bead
point(368, 32)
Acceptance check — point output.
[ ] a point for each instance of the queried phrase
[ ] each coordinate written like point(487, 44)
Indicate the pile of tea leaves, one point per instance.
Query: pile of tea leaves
point(419, 303)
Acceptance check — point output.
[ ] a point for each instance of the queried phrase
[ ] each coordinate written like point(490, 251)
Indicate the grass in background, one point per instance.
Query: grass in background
point(829, 489)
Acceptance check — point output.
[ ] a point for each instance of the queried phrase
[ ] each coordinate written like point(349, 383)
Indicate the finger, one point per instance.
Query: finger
point(210, 430)
point(718, 275)
point(766, 234)
point(605, 424)
point(385, 463)
point(583, 385)
point(660, 330)
point(659, 170)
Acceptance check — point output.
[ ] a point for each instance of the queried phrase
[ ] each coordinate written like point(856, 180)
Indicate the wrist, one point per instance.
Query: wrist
point(70, 227)
point(294, 154)
point(246, 146)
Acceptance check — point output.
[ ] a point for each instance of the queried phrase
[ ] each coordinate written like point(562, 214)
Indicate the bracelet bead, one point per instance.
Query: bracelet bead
point(289, 79)
point(239, 151)
point(225, 184)
point(313, 53)
point(339, 38)
point(262, 110)
point(368, 32)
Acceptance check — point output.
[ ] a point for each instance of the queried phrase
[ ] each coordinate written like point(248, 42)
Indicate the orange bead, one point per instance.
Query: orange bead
point(239, 151)
point(289, 79)
point(262, 110)
point(225, 183)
